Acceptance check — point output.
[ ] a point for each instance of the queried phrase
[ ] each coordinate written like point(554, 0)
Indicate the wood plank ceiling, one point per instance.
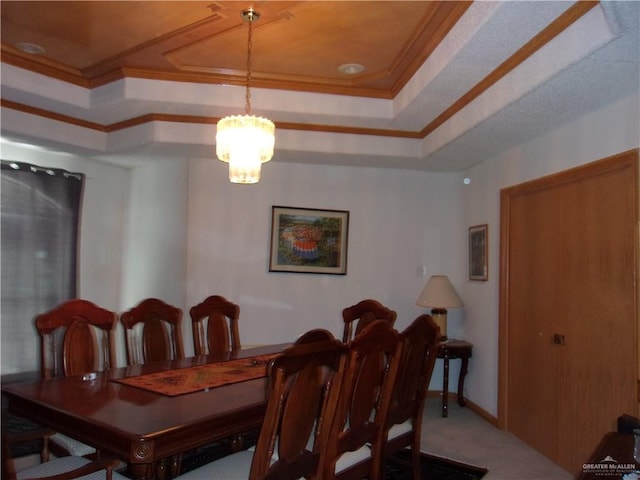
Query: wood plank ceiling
point(297, 45)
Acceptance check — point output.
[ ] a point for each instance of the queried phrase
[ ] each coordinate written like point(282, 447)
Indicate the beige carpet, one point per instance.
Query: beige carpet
point(468, 438)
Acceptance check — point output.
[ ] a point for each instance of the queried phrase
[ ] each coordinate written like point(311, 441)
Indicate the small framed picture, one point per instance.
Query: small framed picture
point(309, 240)
point(478, 253)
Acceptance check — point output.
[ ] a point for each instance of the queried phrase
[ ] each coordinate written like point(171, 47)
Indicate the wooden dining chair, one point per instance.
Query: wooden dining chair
point(315, 335)
point(311, 336)
point(66, 467)
point(303, 393)
point(69, 343)
point(215, 326)
point(358, 316)
point(353, 445)
point(76, 337)
point(404, 419)
point(153, 332)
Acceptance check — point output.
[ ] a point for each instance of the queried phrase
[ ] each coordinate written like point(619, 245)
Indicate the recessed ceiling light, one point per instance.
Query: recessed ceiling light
point(351, 68)
point(30, 48)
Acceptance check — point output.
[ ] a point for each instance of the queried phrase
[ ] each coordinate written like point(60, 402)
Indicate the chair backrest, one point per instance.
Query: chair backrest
point(215, 325)
point(76, 337)
point(315, 335)
point(627, 423)
point(304, 388)
point(373, 360)
point(358, 316)
point(153, 332)
point(419, 353)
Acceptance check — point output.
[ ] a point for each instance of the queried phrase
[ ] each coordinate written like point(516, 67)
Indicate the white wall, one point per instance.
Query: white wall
point(156, 234)
point(399, 220)
point(610, 130)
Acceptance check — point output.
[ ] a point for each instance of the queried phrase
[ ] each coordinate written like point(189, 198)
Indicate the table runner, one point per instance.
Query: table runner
point(201, 377)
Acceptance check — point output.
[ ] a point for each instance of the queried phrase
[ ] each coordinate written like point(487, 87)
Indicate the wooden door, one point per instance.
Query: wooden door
point(568, 311)
point(535, 224)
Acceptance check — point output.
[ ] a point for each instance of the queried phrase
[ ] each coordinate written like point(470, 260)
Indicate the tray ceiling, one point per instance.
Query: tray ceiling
point(440, 80)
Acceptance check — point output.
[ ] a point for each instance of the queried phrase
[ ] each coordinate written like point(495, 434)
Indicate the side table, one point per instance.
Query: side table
point(452, 349)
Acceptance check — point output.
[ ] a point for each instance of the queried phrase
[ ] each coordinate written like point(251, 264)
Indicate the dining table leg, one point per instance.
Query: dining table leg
point(160, 470)
point(141, 471)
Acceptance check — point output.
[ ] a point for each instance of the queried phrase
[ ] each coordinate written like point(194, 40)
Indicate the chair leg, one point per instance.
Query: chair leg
point(415, 460)
point(44, 454)
point(377, 459)
point(415, 453)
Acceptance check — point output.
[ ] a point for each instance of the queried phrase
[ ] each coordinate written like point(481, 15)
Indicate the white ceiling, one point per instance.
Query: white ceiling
point(594, 62)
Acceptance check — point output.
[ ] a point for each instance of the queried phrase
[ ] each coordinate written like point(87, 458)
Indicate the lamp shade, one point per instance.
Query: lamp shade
point(439, 293)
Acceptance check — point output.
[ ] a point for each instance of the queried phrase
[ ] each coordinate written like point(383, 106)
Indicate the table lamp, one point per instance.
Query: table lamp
point(439, 294)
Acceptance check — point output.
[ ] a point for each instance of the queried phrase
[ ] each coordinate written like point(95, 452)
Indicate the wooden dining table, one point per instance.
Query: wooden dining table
point(146, 430)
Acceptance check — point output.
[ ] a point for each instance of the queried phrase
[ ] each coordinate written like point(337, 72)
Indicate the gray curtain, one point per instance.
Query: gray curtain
point(40, 213)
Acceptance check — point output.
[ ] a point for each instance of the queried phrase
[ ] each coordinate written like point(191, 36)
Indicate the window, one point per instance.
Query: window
point(39, 213)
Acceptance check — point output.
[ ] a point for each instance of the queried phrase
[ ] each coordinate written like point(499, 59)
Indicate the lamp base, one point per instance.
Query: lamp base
point(439, 316)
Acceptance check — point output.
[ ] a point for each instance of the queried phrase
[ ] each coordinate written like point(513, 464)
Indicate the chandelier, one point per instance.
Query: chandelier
point(245, 142)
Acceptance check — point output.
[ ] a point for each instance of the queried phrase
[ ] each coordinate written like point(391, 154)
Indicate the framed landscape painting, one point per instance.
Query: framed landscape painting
point(478, 253)
point(308, 240)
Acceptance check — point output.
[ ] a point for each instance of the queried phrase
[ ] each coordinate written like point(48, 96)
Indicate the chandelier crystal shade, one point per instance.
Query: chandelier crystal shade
point(245, 142)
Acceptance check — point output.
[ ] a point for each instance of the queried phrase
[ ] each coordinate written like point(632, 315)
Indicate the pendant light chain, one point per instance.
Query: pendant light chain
point(247, 107)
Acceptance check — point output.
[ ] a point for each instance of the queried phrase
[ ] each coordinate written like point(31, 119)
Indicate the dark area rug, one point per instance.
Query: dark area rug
point(398, 467)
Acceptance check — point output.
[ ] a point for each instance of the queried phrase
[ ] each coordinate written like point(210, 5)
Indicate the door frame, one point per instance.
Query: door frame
point(628, 159)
